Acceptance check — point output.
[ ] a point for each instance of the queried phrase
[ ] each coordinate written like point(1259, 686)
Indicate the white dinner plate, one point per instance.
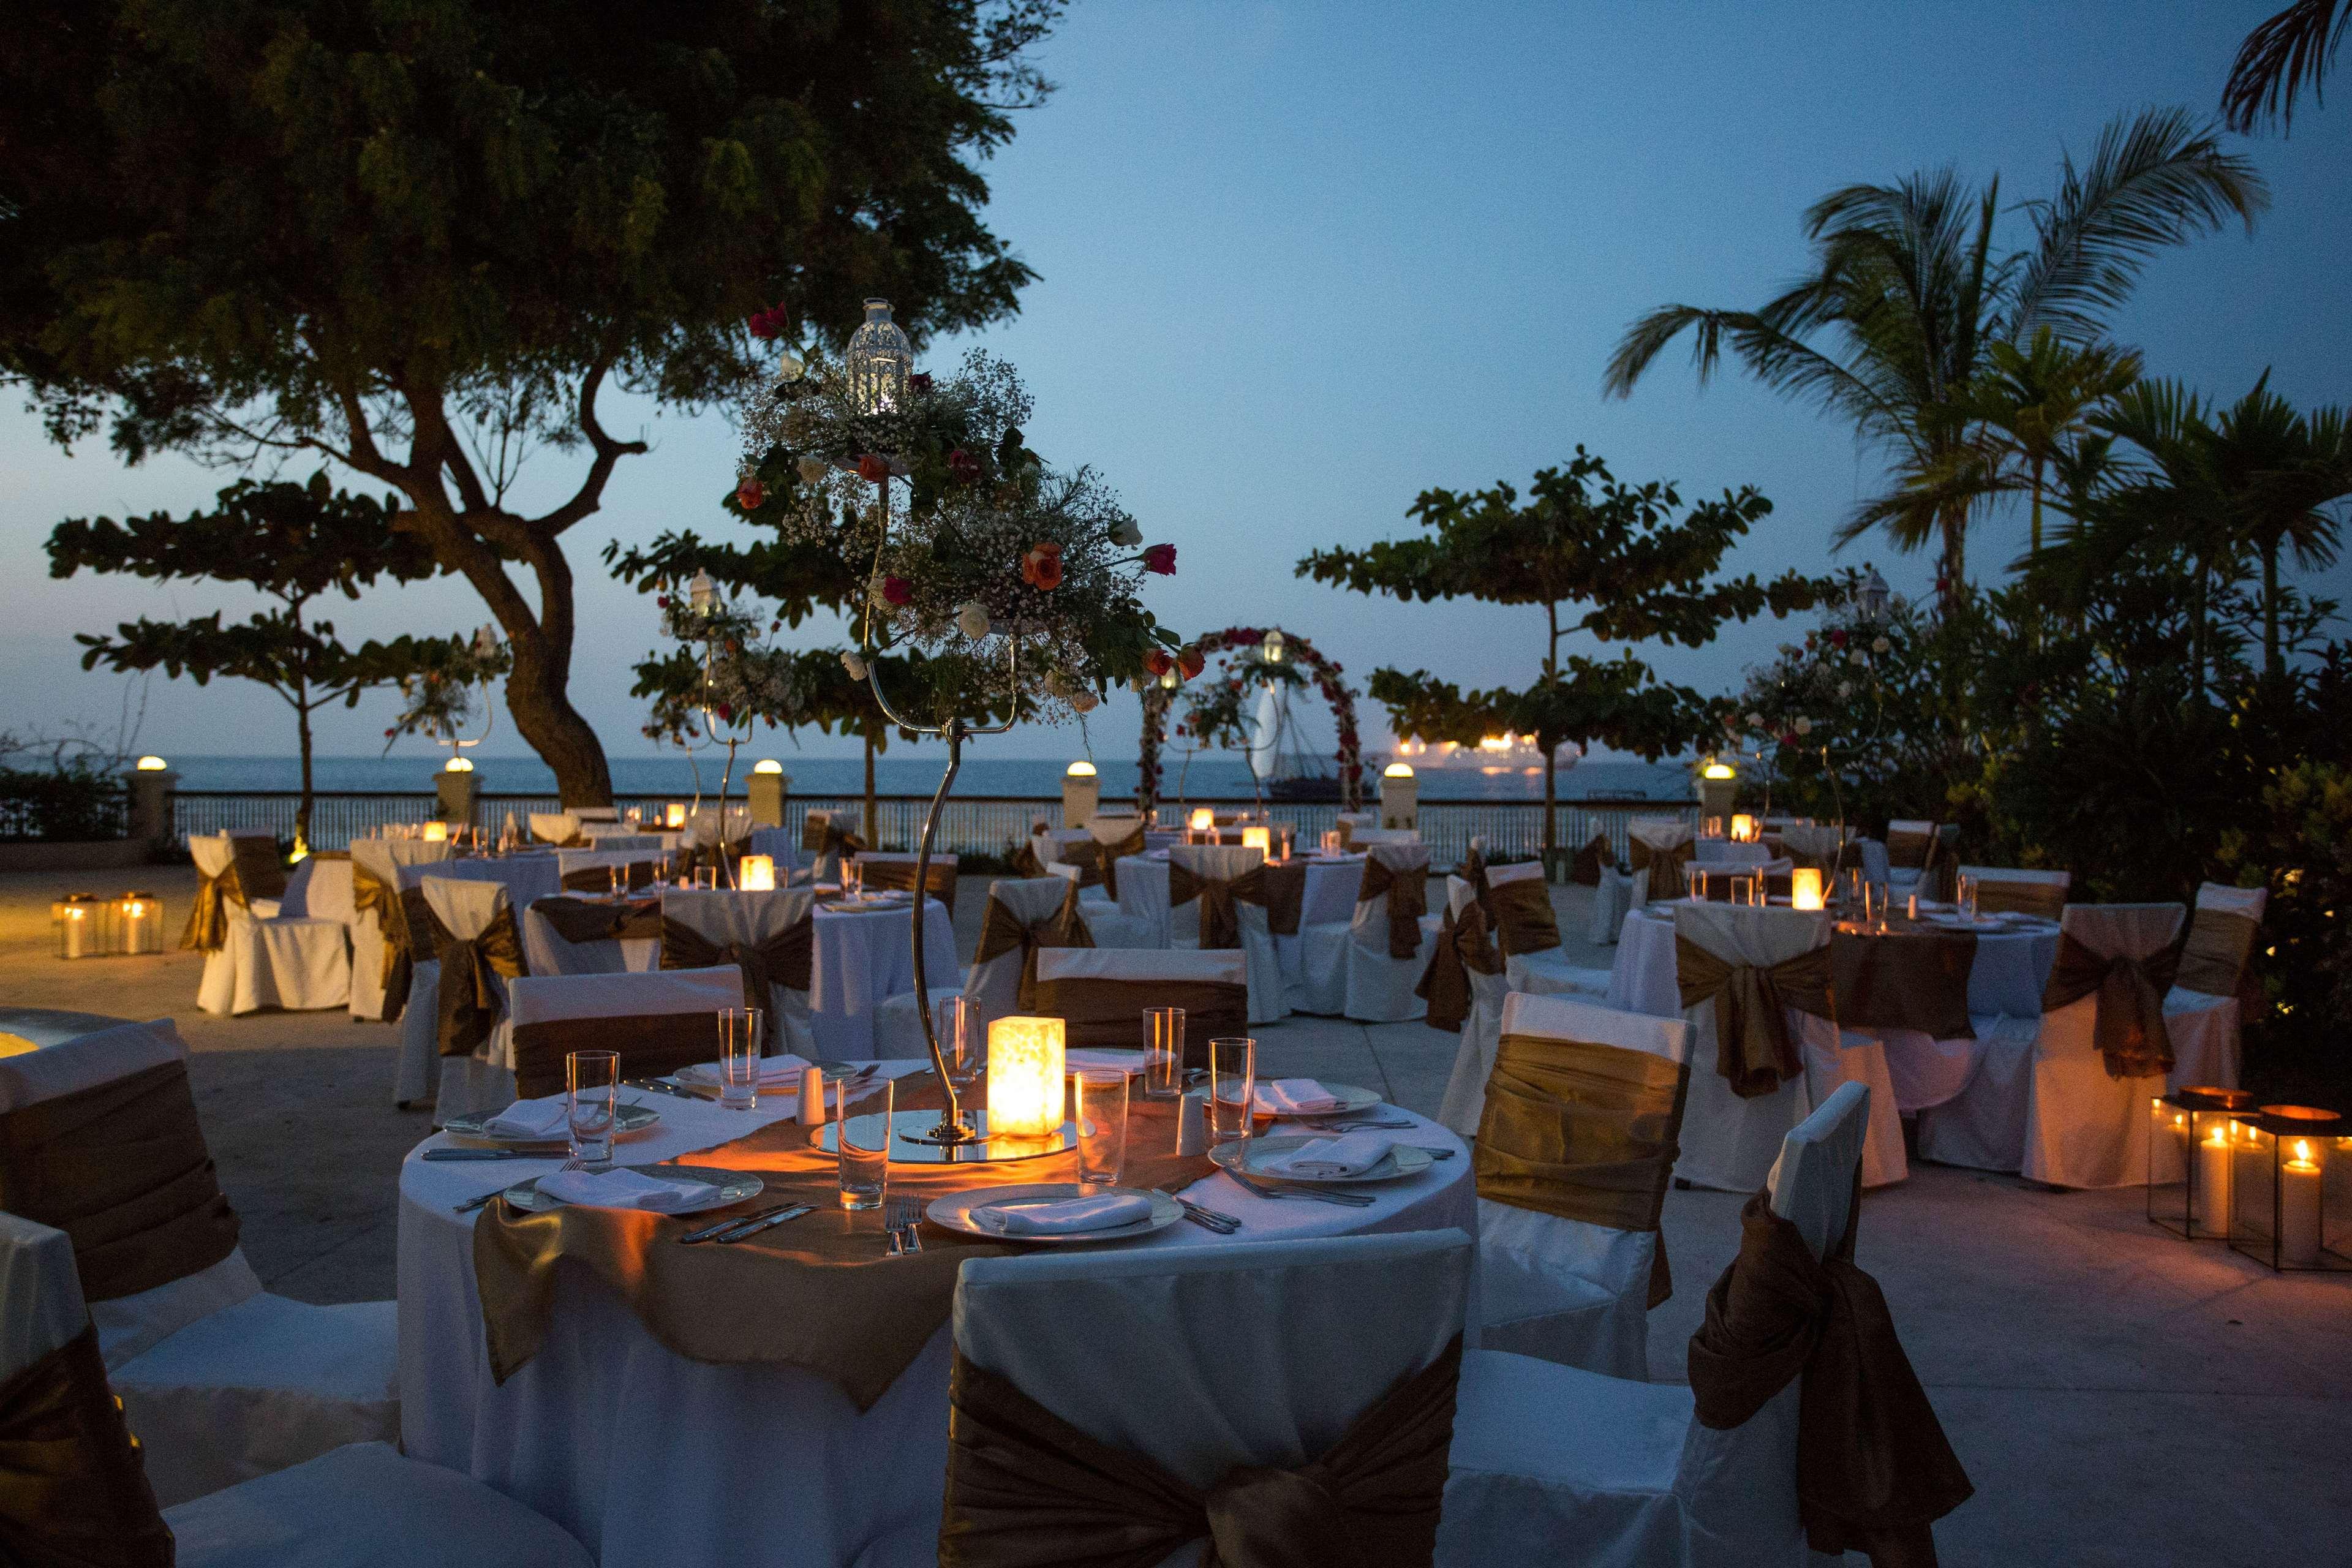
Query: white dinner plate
point(954, 1211)
point(1251, 1153)
point(734, 1187)
point(1129, 1062)
point(629, 1117)
point(1351, 1099)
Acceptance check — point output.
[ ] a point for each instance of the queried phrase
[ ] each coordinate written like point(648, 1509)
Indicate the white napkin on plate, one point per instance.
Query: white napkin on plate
point(541, 1121)
point(622, 1188)
point(1129, 1062)
point(775, 1072)
point(1350, 1155)
point(1295, 1097)
point(1070, 1216)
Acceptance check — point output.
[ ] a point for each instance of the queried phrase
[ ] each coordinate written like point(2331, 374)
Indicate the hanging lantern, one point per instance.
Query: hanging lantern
point(703, 594)
point(1872, 597)
point(1274, 645)
point(879, 360)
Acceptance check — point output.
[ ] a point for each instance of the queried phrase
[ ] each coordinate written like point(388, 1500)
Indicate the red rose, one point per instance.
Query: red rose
point(1788, 737)
point(768, 324)
point(871, 469)
point(726, 712)
point(1041, 568)
point(1158, 662)
point(1161, 558)
point(750, 494)
point(963, 468)
point(919, 382)
point(1837, 637)
point(897, 589)
point(1190, 661)
point(661, 601)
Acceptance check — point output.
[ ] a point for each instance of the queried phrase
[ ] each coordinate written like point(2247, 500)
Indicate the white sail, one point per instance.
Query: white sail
point(1265, 733)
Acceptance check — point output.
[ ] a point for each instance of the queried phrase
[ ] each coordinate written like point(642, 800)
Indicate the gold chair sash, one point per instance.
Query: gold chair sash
point(1025, 863)
point(1474, 871)
point(1665, 865)
point(371, 897)
point(1098, 863)
point(1587, 1132)
point(1285, 889)
point(1464, 949)
point(2129, 1026)
point(648, 1043)
point(1586, 871)
point(579, 920)
point(940, 878)
point(1752, 1045)
point(412, 928)
point(787, 959)
point(1916, 979)
point(123, 1169)
point(468, 1003)
point(1220, 900)
point(1105, 1010)
point(1873, 1469)
point(1994, 897)
point(253, 872)
point(2213, 955)
point(599, 878)
point(1002, 931)
point(1408, 892)
point(73, 1483)
point(1523, 912)
point(828, 837)
point(1025, 1487)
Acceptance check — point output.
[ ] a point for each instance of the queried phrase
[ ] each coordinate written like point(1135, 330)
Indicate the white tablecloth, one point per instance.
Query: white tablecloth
point(655, 1461)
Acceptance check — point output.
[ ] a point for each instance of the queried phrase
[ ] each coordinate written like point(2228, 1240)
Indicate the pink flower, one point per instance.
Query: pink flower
point(1161, 558)
point(873, 469)
point(919, 382)
point(1190, 661)
point(897, 589)
point(750, 494)
point(963, 468)
point(1837, 637)
point(1041, 568)
point(1158, 662)
point(768, 324)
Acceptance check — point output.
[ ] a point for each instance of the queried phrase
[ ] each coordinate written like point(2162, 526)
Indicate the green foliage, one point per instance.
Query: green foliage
point(74, 802)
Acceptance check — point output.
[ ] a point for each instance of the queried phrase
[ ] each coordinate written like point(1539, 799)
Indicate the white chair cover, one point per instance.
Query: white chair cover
point(1113, 829)
point(465, 905)
point(1379, 987)
point(2083, 1128)
point(1269, 998)
point(1110, 923)
point(2060, 880)
point(1546, 972)
point(1729, 1142)
point(557, 827)
point(2204, 1029)
point(1482, 1032)
point(381, 858)
point(1553, 1464)
point(271, 955)
point(825, 866)
point(1560, 1290)
point(991, 985)
point(1214, 966)
point(538, 999)
point(1662, 835)
point(735, 916)
point(319, 889)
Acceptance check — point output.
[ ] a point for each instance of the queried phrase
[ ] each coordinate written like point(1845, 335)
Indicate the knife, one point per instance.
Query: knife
point(491, 1154)
point(658, 1087)
point(731, 1221)
point(746, 1231)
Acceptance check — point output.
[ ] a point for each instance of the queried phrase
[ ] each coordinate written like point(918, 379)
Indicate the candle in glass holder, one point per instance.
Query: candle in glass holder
point(1025, 1071)
point(2213, 1181)
point(1204, 821)
point(1258, 838)
point(2299, 1180)
point(436, 832)
point(78, 931)
point(1805, 887)
point(757, 873)
point(676, 814)
point(140, 923)
point(1743, 827)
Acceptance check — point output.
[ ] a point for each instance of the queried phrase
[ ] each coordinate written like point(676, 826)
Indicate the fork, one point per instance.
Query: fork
point(1338, 1124)
point(1209, 1219)
point(901, 1222)
point(1312, 1194)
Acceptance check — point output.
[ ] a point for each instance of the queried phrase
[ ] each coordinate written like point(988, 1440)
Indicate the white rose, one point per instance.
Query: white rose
point(972, 619)
point(1855, 657)
point(1756, 721)
point(1804, 726)
point(1880, 644)
point(1127, 534)
point(812, 469)
point(855, 664)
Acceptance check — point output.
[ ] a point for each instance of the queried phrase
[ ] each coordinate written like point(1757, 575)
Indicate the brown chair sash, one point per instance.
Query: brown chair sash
point(649, 1044)
point(1912, 980)
point(2047, 900)
point(1107, 1011)
point(1474, 871)
point(1873, 1469)
point(1025, 863)
point(1589, 1132)
point(1284, 890)
point(1752, 1044)
point(1025, 1487)
point(413, 930)
point(580, 920)
point(123, 1169)
point(1098, 863)
point(1220, 898)
point(599, 878)
point(467, 1004)
point(371, 897)
point(940, 878)
point(1665, 865)
point(1462, 948)
point(253, 872)
point(1002, 931)
point(2213, 955)
point(1909, 850)
point(2129, 1027)
point(1586, 871)
point(1523, 912)
point(1408, 892)
point(787, 959)
point(828, 837)
point(73, 1484)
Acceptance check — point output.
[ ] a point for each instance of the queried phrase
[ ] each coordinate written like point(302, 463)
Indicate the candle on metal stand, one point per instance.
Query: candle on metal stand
point(2299, 1180)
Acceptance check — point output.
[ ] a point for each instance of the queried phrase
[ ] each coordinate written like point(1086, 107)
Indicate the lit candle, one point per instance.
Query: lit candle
point(1025, 1069)
point(142, 924)
point(1203, 819)
point(756, 874)
point(676, 814)
point(2299, 1207)
point(1743, 827)
point(1258, 838)
point(82, 932)
point(436, 833)
point(1805, 887)
point(2213, 1181)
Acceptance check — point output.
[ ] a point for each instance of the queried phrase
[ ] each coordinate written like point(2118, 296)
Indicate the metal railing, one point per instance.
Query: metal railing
point(970, 825)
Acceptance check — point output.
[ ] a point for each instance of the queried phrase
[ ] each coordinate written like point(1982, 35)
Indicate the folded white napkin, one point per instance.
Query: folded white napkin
point(1129, 1062)
point(536, 1119)
point(775, 1072)
point(1295, 1097)
point(1106, 1211)
point(622, 1188)
point(1350, 1155)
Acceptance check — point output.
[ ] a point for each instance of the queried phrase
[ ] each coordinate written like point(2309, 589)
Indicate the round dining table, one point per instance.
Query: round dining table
point(654, 1460)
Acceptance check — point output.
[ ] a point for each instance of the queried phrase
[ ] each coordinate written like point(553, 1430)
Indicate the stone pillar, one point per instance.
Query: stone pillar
point(151, 805)
point(1081, 796)
point(459, 794)
point(1716, 797)
point(768, 793)
point(1400, 797)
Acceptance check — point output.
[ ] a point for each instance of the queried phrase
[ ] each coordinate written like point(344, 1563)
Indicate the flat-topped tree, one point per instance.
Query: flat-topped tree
point(1580, 538)
point(421, 241)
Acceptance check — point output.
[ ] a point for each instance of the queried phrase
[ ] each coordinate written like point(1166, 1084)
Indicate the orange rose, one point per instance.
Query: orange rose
point(1190, 661)
point(1041, 568)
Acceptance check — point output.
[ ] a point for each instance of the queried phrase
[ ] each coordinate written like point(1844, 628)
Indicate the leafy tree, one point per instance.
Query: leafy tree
point(294, 544)
point(1582, 538)
point(1893, 325)
point(2290, 51)
point(421, 239)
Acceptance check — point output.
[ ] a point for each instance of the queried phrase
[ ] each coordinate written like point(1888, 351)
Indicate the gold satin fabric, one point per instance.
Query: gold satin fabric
point(414, 931)
point(1099, 863)
point(1408, 892)
point(1873, 1469)
point(787, 959)
point(1218, 898)
point(123, 1169)
point(649, 1044)
point(1464, 949)
point(2213, 955)
point(1025, 863)
point(1474, 871)
point(2129, 1027)
point(468, 1003)
point(1523, 913)
point(1912, 978)
point(1753, 1047)
point(1002, 931)
point(580, 920)
point(1285, 889)
point(253, 872)
point(1101, 1011)
point(828, 837)
point(639, 874)
point(2047, 900)
point(73, 1484)
point(1586, 1131)
point(1027, 1489)
point(880, 875)
point(1586, 869)
point(1909, 850)
point(1665, 865)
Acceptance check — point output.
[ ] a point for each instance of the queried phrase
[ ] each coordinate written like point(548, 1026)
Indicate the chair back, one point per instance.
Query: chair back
point(1368, 927)
point(1567, 1018)
point(41, 1307)
point(550, 1010)
point(746, 917)
point(557, 827)
point(1057, 841)
point(1144, 1355)
point(524, 877)
point(1909, 843)
point(880, 870)
point(2221, 939)
point(2124, 931)
point(2010, 889)
point(590, 870)
point(993, 985)
point(1115, 829)
point(1812, 1180)
point(645, 843)
point(466, 906)
point(1101, 993)
point(2250, 902)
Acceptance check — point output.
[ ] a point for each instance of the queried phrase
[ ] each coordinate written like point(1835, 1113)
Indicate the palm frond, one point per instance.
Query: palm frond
point(2278, 59)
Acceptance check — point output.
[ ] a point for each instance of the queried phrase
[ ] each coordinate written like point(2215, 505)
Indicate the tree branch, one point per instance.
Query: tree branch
point(609, 452)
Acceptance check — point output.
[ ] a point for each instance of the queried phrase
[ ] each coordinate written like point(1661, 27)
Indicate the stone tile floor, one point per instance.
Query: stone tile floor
point(2118, 1398)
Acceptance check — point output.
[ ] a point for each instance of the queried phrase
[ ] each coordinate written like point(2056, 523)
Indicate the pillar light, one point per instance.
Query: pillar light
point(1026, 1062)
point(1273, 646)
point(460, 765)
point(756, 873)
point(767, 765)
point(152, 765)
point(1081, 770)
point(1397, 771)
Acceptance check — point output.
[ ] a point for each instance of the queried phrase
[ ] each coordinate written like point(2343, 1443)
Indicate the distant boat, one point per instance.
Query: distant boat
point(1495, 754)
point(1282, 769)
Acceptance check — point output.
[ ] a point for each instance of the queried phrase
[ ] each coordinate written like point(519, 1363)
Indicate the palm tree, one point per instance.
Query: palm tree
point(2281, 471)
point(2034, 404)
point(2278, 58)
point(1908, 294)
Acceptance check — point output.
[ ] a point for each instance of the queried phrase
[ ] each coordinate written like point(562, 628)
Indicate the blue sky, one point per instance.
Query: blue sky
point(1301, 261)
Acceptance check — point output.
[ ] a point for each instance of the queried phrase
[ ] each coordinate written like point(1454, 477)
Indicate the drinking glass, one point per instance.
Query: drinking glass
point(738, 1057)
point(1743, 887)
point(706, 878)
point(1968, 897)
point(1331, 842)
point(592, 1087)
point(1695, 880)
point(865, 1146)
point(1163, 1064)
point(961, 1042)
point(853, 880)
point(1102, 1124)
point(1232, 1087)
point(620, 879)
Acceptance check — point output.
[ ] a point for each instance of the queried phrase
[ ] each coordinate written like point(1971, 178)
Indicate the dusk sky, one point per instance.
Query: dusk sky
point(1299, 262)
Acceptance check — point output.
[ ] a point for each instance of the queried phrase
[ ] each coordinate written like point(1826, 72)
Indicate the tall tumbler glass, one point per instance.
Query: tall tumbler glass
point(738, 1057)
point(1102, 1123)
point(1233, 1087)
point(1163, 1062)
point(865, 1146)
point(592, 1090)
point(962, 1040)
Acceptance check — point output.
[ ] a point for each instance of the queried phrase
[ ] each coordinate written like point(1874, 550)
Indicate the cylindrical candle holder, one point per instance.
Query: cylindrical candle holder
point(138, 923)
point(2280, 1180)
point(83, 925)
point(2190, 1153)
point(1027, 1091)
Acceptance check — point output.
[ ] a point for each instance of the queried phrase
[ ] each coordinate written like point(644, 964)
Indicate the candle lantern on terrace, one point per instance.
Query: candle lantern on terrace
point(2191, 1146)
point(83, 924)
point(138, 923)
point(2279, 1174)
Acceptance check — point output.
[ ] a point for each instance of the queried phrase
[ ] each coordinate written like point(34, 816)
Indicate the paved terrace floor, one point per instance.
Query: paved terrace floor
point(2118, 1397)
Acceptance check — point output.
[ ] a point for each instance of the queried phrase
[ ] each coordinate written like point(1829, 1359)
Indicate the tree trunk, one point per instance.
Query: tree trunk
point(302, 726)
point(544, 713)
point(2271, 662)
point(873, 807)
point(2197, 634)
point(1551, 803)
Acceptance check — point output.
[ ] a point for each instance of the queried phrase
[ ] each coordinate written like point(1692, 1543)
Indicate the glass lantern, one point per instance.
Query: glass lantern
point(2190, 1147)
point(2280, 1177)
point(138, 923)
point(84, 926)
point(879, 361)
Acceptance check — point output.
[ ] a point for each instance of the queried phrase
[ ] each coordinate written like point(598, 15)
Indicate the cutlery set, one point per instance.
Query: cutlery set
point(728, 1232)
point(902, 1226)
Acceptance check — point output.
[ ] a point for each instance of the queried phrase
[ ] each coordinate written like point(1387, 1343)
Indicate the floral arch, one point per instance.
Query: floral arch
point(1325, 676)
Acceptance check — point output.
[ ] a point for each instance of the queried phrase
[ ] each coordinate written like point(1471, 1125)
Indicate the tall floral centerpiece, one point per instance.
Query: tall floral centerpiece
point(1021, 581)
point(437, 700)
